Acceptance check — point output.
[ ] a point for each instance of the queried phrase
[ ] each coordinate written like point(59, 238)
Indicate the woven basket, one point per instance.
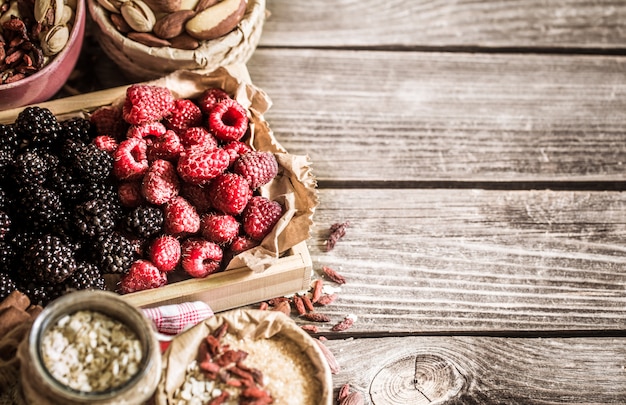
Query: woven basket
point(140, 62)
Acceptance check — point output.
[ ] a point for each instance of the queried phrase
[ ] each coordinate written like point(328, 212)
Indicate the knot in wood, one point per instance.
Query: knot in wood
point(421, 379)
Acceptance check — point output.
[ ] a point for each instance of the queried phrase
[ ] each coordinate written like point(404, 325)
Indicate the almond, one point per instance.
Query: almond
point(148, 39)
point(173, 24)
point(184, 41)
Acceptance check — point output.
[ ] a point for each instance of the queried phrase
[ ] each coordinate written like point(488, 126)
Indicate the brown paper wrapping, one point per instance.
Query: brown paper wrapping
point(253, 324)
point(294, 186)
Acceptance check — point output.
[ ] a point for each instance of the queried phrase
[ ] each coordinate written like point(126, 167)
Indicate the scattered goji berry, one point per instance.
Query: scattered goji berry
point(333, 275)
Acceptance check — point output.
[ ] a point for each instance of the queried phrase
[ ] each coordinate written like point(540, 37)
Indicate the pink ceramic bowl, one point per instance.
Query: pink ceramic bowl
point(44, 84)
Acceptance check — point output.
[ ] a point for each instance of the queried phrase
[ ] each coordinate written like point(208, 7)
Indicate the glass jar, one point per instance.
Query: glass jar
point(41, 387)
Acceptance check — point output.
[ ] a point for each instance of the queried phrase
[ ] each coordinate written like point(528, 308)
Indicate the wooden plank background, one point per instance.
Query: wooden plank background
point(478, 150)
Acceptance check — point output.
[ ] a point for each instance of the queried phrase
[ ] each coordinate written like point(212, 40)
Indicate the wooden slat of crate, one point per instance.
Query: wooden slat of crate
point(235, 288)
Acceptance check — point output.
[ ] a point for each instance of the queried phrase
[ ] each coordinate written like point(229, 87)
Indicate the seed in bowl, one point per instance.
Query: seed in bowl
point(91, 352)
point(229, 370)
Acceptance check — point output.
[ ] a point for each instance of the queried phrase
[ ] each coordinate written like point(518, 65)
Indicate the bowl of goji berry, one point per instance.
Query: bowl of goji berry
point(40, 50)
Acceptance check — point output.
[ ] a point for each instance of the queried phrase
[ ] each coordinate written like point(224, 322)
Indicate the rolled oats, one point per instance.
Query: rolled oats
point(91, 352)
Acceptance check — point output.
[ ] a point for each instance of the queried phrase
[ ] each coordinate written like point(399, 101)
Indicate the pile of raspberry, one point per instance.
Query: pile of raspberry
point(192, 185)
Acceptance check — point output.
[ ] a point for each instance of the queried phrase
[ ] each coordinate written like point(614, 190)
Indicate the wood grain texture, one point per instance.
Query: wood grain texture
point(472, 370)
point(475, 261)
point(578, 24)
point(407, 116)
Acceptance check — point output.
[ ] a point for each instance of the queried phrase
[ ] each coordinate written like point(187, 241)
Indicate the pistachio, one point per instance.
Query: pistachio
point(13, 10)
point(138, 15)
point(55, 40)
point(68, 14)
point(49, 9)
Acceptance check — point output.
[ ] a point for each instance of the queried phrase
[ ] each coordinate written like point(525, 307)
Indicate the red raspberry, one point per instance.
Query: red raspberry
point(260, 216)
point(129, 193)
point(106, 143)
point(146, 103)
point(165, 253)
point(259, 168)
point(228, 121)
point(235, 149)
point(197, 196)
point(142, 275)
point(130, 160)
point(219, 228)
point(166, 147)
point(181, 217)
point(210, 98)
point(108, 121)
point(229, 193)
point(199, 257)
point(160, 184)
point(242, 243)
point(184, 115)
point(198, 137)
point(149, 129)
point(199, 166)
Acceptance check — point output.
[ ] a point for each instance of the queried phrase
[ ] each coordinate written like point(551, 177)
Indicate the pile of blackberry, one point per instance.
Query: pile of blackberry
point(61, 222)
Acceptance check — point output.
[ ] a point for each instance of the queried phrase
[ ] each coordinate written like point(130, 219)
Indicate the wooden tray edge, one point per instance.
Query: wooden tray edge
point(237, 287)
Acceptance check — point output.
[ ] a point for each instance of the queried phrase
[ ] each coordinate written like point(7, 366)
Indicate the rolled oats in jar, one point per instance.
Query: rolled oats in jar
point(90, 347)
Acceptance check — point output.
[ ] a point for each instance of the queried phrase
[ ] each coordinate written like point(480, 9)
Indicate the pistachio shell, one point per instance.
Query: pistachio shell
point(68, 14)
point(58, 11)
point(55, 40)
point(13, 10)
point(138, 15)
point(41, 9)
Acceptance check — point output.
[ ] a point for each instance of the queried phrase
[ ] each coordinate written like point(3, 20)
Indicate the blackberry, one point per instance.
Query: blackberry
point(78, 129)
point(37, 126)
point(114, 253)
point(102, 190)
point(94, 217)
point(41, 294)
point(21, 239)
point(5, 224)
point(8, 137)
point(68, 150)
point(7, 257)
point(4, 199)
point(8, 149)
point(49, 260)
point(31, 167)
point(7, 285)
point(70, 187)
point(86, 277)
point(144, 221)
point(41, 207)
point(92, 163)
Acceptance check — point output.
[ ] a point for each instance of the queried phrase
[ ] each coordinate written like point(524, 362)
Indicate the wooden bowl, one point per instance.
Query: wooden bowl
point(44, 84)
point(140, 62)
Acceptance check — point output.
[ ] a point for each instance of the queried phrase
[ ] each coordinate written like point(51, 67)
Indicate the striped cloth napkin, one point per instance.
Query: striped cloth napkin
point(170, 320)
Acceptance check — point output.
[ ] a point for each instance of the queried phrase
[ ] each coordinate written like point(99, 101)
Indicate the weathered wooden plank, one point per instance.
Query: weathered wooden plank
point(407, 116)
point(579, 24)
point(475, 261)
point(472, 370)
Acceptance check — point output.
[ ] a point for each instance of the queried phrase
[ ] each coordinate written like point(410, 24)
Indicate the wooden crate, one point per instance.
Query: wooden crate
point(237, 287)
point(222, 291)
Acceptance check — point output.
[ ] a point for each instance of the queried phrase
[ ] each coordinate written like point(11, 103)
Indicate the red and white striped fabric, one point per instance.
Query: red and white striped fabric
point(173, 319)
